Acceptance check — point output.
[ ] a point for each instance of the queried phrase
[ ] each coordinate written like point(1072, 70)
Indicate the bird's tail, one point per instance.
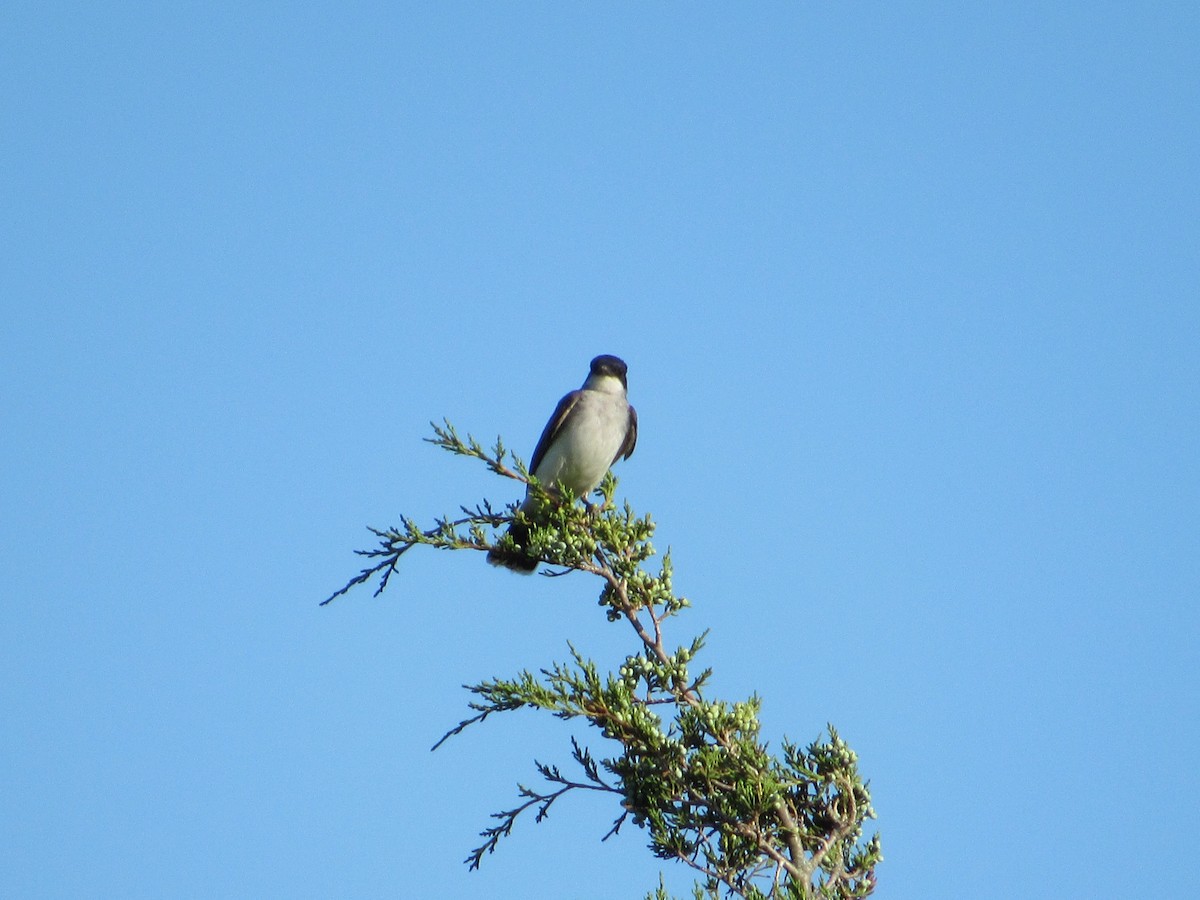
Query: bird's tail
point(515, 558)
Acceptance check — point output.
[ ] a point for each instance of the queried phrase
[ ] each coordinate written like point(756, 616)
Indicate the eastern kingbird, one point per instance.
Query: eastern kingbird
point(590, 430)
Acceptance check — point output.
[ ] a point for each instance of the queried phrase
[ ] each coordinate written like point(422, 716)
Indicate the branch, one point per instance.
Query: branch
point(693, 772)
point(395, 542)
point(544, 801)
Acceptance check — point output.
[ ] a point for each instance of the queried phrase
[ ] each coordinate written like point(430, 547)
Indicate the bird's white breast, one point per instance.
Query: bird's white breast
point(587, 443)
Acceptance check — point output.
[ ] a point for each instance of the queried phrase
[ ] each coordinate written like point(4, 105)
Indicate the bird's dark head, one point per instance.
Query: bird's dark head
point(610, 366)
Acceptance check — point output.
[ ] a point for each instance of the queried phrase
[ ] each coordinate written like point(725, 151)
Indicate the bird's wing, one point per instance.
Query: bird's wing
point(627, 445)
point(550, 432)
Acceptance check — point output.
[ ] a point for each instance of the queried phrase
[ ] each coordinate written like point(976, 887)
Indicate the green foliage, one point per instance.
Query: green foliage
point(693, 772)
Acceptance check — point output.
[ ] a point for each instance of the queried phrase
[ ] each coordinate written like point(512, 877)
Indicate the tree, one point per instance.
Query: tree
point(693, 772)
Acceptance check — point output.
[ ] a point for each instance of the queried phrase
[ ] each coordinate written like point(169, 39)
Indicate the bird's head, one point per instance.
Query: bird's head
point(604, 369)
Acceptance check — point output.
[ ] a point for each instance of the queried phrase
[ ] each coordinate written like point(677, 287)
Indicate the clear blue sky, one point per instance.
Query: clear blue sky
point(910, 296)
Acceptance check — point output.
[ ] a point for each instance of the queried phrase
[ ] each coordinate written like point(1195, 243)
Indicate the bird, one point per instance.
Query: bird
point(590, 430)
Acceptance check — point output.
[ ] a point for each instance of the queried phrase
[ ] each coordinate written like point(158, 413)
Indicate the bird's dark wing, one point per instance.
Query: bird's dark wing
point(626, 449)
point(550, 432)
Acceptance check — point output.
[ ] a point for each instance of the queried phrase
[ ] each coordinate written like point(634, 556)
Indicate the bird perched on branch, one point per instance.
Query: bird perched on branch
point(590, 430)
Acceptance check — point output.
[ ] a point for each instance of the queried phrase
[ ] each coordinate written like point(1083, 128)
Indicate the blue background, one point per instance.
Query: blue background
point(909, 296)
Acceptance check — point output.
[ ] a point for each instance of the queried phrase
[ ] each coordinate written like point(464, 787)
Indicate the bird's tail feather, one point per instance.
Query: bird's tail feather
point(515, 558)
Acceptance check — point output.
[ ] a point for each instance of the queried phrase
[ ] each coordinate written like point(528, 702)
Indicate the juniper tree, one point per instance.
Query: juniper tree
point(691, 770)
